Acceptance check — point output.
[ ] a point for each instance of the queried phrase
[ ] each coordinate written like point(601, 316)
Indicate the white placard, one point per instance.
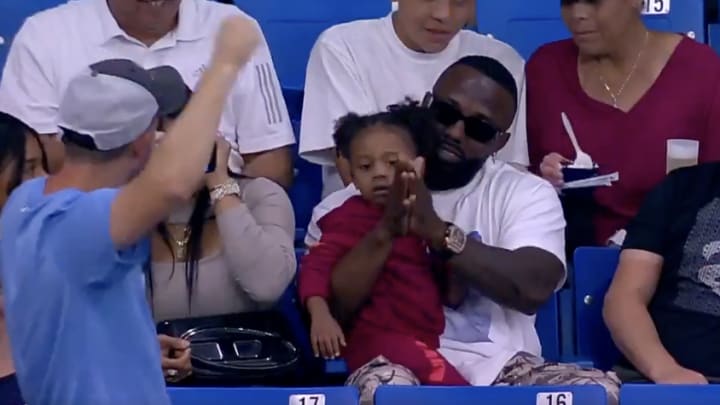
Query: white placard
point(307, 399)
point(656, 7)
point(554, 398)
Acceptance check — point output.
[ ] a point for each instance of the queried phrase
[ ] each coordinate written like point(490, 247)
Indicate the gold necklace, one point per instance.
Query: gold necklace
point(180, 245)
point(615, 95)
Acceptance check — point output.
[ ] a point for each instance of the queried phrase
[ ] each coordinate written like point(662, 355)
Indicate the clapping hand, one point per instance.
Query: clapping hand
point(396, 218)
point(424, 221)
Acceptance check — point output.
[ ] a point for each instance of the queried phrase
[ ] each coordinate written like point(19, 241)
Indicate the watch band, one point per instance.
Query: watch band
point(230, 187)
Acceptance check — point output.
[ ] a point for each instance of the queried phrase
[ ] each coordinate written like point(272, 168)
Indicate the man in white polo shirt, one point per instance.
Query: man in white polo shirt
point(56, 44)
point(499, 231)
point(364, 66)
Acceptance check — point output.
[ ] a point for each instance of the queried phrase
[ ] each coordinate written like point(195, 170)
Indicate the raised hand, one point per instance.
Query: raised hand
point(235, 42)
point(424, 221)
point(397, 208)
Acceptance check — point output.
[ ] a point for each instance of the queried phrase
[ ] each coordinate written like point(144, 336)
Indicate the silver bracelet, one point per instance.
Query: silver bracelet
point(230, 187)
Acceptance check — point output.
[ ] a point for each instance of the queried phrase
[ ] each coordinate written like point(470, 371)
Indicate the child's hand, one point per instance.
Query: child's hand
point(326, 337)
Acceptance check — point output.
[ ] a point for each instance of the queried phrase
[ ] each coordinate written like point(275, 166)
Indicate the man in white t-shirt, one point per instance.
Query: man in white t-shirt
point(364, 66)
point(54, 45)
point(499, 229)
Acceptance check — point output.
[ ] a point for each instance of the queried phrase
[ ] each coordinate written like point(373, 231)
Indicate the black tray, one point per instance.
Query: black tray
point(239, 349)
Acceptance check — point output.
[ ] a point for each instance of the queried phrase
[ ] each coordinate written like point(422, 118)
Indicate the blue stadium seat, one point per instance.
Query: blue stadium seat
point(291, 28)
point(289, 307)
point(713, 36)
point(579, 394)
point(12, 15)
point(264, 396)
point(594, 269)
point(547, 324)
point(669, 395)
point(527, 24)
point(306, 189)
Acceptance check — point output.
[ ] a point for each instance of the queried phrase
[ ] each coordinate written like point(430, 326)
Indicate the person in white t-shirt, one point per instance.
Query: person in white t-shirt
point(364, 66)
point(55, 45)
point(499, 229)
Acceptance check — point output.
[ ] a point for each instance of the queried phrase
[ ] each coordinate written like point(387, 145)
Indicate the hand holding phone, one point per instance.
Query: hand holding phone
point(217, 170)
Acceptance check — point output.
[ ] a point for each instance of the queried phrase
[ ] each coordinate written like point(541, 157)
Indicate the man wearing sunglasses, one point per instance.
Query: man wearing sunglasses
point(499, 231)
point(364, 66)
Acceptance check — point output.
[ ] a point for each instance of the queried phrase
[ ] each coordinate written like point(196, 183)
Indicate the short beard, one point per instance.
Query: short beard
point(441, 175)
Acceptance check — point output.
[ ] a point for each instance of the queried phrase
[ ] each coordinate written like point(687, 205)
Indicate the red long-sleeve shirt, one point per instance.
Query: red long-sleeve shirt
point(405, 298)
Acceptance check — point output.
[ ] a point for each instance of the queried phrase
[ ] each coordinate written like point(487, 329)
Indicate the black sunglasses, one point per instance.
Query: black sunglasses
point(476, 128)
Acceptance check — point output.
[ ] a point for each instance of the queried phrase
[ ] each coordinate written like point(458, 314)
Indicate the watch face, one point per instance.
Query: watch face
point(456, 239)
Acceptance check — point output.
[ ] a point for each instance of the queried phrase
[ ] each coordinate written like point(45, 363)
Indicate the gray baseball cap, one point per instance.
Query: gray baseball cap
point(114, 101)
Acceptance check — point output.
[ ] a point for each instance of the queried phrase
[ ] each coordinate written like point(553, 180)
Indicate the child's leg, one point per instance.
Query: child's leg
point(430, 367)
point(427, 364)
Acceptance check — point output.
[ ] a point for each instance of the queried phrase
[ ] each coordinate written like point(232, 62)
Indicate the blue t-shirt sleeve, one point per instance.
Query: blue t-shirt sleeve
point(84, 243)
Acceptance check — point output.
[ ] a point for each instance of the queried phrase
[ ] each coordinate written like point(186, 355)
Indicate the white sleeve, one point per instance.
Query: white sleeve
point(333, 88)
point(328, 204)
point(533, 217)
point(256, 117)
point(27, 90)
point(516, 150)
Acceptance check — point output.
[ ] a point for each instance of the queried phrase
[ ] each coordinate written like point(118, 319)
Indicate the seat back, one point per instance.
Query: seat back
point(12, 15)
point(292, 396)
point(669, 395)
point(291, 28)
point(290, 308)
point(594, 270)
point(547, 324)
point(306, 190)
point(579, 394)
point(528, 24)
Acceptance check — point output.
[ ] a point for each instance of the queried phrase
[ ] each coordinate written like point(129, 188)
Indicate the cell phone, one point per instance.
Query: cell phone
point(213, 160)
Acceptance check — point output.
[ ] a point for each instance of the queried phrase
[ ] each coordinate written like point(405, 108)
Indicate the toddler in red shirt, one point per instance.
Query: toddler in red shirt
point(403, 318)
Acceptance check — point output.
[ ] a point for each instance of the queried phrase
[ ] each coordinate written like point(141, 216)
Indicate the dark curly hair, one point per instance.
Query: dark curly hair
point(417, 121)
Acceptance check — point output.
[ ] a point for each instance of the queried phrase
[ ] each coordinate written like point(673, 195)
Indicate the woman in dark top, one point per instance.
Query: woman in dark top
point(21, 158)
point(626, 90)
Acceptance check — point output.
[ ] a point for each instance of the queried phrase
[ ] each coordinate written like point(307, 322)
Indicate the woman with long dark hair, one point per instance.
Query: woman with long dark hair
point(22, 157)
point(230, 251)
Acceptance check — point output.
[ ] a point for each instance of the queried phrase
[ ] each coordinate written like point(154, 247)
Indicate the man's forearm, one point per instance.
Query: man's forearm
point(522, 279)
point(354, 276)
point(634, 333)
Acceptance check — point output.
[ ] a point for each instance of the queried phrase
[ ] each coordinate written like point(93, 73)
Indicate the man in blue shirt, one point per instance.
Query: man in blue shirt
point(73, 244)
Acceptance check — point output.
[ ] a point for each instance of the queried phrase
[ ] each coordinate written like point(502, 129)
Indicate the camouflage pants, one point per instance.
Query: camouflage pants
point(527, 369)
point(522, 370)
